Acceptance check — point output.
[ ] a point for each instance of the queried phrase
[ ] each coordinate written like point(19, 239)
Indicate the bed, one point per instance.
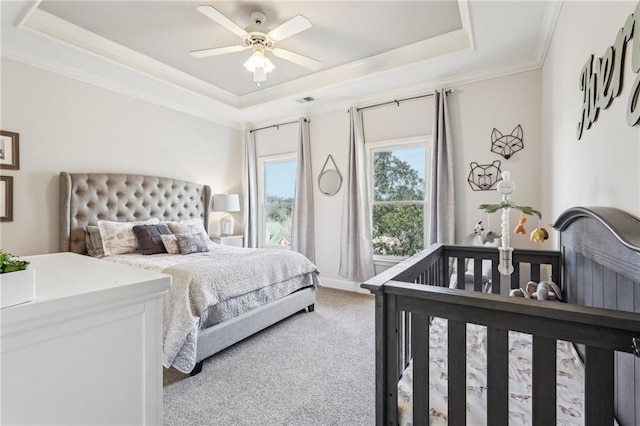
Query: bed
point(218, 296)
point(594, 339)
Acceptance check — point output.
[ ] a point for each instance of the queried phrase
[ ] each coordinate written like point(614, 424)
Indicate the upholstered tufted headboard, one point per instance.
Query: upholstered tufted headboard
point(86, 198)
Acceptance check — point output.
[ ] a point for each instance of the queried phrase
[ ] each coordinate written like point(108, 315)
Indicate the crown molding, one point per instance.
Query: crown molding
point(47, 24)
point(58, 29)
point(202, 100)
point(408, 91)
point(465, 18)
point(393, 59)
point(547, 29)
point(111, 85)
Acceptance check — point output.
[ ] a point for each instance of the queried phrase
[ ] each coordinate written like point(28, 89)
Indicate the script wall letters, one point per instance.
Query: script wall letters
point(601, 79)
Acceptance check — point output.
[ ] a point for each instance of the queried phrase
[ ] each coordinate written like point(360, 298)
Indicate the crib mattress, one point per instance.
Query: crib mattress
point(570, 380)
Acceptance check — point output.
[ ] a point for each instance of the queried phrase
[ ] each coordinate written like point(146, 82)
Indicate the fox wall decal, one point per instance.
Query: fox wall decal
point(507, 145)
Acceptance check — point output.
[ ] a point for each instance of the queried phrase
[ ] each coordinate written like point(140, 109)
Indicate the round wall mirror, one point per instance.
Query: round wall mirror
point(329, 182)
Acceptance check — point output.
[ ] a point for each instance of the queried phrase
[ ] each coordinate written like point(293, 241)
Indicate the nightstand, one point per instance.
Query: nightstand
point(233, 240)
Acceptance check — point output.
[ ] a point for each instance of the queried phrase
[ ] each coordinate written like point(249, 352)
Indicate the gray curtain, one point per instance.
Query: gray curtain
point(442, 202)
point(250, 190)
point(302, 229)
point(356, 252)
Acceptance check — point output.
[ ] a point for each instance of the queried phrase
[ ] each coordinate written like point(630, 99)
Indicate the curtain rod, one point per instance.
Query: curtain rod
point(278, 125)
point(397, 101)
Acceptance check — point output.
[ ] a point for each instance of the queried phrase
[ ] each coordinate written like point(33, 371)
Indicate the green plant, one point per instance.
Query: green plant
point(10, 263)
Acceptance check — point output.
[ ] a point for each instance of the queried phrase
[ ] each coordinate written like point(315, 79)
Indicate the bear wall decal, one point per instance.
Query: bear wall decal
point(484, 177)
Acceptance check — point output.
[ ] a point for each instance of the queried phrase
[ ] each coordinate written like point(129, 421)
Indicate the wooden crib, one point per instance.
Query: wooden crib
point(598, 269)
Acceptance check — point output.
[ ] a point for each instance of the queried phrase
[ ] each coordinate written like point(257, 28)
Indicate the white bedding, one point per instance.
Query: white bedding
point(202, 281)
point(569, 372)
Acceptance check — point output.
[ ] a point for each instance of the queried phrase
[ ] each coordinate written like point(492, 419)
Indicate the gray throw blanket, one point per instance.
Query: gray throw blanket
point(201, 284)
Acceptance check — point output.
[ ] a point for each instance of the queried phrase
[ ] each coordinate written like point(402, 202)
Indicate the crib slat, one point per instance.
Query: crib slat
point(457, 373)
point(497, 377)
point(420, 339)
point(598, 386)
point(460, 279)
point(391, 352)
point(544, 381)
point(515, 276)
point(535, 272)
point(495, 279)
point(477, 274)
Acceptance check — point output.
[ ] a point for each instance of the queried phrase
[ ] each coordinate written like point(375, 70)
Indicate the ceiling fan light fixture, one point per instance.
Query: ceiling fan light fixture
point(259, 65)
point(260, 40)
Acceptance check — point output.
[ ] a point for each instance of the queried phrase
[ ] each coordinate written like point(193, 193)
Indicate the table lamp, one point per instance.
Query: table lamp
point(226, 203)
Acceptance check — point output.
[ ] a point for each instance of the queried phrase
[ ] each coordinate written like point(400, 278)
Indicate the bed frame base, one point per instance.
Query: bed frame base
point(197, 369)
point(223, 335)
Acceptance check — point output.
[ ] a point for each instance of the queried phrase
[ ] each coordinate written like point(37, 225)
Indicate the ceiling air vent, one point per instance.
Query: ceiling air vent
point(305, 100)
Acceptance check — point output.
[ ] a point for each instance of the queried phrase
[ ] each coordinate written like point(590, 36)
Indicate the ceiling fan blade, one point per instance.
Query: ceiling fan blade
point(217, 51)
point(213, 13)
point(293, 26)
point(296, 58)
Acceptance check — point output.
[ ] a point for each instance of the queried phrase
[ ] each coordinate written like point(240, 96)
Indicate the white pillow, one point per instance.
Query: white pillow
point(171, 243)
point(118, 237)
point(189, 226)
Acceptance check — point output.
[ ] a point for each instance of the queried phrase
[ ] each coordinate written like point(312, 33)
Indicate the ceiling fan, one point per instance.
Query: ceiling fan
point(260, 41)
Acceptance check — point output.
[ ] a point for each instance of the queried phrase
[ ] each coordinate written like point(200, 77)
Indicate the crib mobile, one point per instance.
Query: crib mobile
point(506, 187)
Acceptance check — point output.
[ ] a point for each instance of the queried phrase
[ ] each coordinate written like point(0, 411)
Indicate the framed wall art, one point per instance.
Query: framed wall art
point(6, 198)
point(9, 150)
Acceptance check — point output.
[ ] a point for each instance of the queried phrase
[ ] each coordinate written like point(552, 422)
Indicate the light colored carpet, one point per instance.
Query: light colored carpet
point(310, 369)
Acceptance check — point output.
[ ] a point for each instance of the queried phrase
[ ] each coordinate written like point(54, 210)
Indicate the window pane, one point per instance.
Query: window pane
point(280, 180)
point(399, 174)
point(278, 225)
point(398, 230)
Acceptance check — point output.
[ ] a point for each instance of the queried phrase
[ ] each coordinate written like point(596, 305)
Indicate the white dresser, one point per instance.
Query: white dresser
point(88, 349)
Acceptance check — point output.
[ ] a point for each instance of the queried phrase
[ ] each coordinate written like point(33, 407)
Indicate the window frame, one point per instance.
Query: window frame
point(425, 141)
point(262, 181)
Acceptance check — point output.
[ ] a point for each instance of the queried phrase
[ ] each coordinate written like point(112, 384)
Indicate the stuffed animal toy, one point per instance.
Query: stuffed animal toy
point(519, 292)
point(520, 228)
point(544, 290)
point(478, 229)
point(538, 235)
point(489, 236)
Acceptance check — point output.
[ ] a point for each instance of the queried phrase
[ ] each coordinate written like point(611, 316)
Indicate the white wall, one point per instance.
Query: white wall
point(66, 125)
point(603, 168)
point(475, 110)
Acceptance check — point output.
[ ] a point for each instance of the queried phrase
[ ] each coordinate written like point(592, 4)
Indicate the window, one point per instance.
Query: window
point(398, 192)
point(277, 192)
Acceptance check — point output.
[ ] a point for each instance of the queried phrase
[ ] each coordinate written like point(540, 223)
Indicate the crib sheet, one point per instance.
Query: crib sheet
point(569, 369)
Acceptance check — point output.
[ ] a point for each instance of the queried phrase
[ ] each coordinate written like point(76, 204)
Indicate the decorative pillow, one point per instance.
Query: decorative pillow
point(94, 242)
point(189, 226)
point(192, 243)
point(170, 243)
point(118, 237)
point(148, 236)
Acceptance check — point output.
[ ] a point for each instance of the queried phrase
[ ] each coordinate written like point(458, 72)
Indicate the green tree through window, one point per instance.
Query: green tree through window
point(398, 201)
point(279, 177)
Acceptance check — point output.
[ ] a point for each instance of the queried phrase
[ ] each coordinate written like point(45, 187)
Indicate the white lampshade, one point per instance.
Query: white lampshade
point(226, 203)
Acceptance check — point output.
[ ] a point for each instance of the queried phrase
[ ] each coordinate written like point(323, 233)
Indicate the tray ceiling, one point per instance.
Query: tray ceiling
point(369, 49)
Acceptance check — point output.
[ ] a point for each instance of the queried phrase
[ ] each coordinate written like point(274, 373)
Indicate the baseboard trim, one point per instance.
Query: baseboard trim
point(343, 285)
